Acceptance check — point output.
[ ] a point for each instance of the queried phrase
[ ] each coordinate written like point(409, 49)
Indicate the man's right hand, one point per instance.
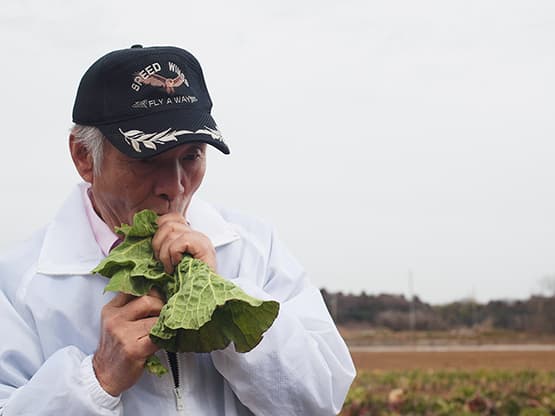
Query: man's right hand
point(124, 342)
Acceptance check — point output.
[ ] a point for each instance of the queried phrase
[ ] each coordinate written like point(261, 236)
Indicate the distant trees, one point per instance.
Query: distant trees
point(537, 314)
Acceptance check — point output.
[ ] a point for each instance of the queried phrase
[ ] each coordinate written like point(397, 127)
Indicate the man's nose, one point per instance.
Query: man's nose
point(170, 181)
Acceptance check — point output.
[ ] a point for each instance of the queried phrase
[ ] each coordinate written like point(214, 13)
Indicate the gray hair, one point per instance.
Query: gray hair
point(93, 140)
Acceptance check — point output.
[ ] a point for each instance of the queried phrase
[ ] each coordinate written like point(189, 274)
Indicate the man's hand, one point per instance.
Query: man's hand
point(174, 237)
point(124, 342)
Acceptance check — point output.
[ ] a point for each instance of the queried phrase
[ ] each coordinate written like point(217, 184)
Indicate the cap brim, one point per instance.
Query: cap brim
point(156, 133)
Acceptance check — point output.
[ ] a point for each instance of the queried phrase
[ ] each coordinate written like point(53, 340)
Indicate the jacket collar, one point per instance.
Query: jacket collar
point(69, 245)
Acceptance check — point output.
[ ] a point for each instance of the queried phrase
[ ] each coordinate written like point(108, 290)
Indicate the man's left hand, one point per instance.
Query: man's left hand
point(174, 237)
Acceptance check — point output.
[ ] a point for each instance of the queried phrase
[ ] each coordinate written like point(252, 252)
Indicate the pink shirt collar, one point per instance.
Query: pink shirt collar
point(105, 238)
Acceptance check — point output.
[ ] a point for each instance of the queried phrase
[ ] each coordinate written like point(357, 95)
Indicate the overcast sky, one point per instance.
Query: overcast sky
point(381, 138)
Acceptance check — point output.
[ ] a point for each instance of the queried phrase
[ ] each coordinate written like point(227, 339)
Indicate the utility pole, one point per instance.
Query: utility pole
point(474, 318)
point(412, 315)
point(334, 303)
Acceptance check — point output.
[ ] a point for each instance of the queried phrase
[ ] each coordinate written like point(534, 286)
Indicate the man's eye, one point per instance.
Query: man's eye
point(192, 156)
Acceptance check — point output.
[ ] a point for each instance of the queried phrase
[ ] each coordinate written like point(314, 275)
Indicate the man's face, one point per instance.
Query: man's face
point(164, 183)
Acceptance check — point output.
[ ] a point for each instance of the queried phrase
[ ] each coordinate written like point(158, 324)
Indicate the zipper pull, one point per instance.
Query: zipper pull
point(178, 399)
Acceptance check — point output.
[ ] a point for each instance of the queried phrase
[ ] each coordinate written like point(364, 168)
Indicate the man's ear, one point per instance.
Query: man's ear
point(82, 159)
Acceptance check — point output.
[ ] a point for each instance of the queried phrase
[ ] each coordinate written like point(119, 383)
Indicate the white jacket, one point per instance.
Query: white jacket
point(50, 310)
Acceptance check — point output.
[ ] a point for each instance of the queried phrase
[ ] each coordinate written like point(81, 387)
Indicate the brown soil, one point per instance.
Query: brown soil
point(460, 360)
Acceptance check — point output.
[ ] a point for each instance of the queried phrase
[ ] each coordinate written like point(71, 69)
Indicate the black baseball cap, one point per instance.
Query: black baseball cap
point(147, 100)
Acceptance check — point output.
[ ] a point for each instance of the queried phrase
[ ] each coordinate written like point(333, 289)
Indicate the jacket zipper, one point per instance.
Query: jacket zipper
point(174, 367)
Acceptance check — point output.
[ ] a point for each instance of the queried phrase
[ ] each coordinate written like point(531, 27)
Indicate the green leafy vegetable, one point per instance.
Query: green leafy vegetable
point(203, 311)
point(154, 366)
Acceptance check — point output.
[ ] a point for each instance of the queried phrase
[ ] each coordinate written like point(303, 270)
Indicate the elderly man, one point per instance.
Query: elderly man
point(142, 126)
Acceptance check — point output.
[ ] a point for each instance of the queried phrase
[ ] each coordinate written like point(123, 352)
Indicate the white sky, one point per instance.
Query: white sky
point(378, 136)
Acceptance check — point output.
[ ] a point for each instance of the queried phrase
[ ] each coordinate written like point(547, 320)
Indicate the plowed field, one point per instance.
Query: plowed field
point(463, 360)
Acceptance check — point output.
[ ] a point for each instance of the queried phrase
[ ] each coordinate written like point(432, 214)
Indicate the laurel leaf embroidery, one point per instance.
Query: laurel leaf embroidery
point(149, 140)
point(169, 138)
point(145, 138)
point(161, 134)
point(150, 145)
point(180, 132)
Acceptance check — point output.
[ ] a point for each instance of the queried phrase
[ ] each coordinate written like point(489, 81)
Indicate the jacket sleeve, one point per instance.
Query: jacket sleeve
point(302, 365)
point(30, 384)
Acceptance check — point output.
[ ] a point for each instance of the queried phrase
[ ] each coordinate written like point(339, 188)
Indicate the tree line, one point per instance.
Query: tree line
point(536, 314)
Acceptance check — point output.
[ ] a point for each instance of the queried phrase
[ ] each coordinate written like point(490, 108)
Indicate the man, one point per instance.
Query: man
point(142, 126)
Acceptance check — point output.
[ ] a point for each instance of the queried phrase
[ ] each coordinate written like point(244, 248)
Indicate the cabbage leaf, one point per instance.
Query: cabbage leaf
point(203, 311)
